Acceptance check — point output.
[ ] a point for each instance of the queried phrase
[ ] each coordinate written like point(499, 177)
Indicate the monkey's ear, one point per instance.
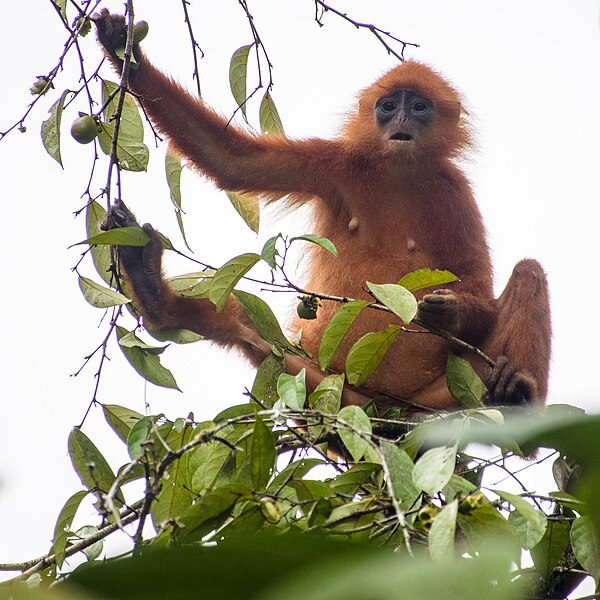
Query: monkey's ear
point(452, 111)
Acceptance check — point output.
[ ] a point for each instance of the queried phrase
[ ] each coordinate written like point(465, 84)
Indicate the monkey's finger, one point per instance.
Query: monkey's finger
point(440, 297)
point(441, 292)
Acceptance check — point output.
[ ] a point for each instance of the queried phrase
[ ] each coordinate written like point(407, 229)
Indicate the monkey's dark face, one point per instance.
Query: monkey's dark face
point(404, 117)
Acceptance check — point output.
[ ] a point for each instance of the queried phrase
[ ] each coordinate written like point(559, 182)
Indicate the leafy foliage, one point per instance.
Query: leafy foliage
point(262, 498)
point(233, 481)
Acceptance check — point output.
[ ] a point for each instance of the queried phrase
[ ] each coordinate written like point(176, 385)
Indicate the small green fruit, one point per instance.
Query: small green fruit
point(269, 510)
point(307, 308)
point(41, 86)
point(140, 31)
point(84, 129)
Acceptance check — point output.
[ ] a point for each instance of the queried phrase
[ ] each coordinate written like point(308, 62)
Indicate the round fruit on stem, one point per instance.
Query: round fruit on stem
point(84, 129)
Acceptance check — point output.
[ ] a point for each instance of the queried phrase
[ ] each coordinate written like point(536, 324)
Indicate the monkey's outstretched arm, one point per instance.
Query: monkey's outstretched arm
point(235, 159)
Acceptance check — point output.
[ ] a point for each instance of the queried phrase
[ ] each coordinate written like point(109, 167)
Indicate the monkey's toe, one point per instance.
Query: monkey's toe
point(508, 386)
point(111, 30)
point(119, 216)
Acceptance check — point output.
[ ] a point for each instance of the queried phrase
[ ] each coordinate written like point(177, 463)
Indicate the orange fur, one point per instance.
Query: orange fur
point(390, 208)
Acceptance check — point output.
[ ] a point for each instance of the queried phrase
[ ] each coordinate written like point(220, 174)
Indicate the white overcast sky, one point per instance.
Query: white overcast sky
point(531, 74)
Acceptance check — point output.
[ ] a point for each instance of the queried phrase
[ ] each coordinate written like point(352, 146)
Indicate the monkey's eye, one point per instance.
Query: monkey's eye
point(388, 106)
point(420, 106)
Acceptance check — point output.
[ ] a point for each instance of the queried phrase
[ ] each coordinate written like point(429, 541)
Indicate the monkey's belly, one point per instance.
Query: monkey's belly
point(413, 363)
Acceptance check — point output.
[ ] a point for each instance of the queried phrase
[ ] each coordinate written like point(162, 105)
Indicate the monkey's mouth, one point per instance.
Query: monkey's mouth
point(402, 137)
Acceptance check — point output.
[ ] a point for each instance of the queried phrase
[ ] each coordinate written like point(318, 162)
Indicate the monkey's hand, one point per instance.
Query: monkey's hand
point(507, 386)
point(112, 34)
point(141, 264)
point(440, 309)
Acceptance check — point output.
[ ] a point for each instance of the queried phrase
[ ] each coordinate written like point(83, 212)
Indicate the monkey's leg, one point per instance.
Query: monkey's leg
point(520, 340)
point(163, 309)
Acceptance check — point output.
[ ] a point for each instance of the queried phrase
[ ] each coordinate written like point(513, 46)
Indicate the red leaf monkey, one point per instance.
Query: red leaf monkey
point(388, 193)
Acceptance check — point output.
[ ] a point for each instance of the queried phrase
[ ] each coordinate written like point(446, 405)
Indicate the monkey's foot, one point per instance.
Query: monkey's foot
point(119, 216)
point(507, 386)
point(112, 31)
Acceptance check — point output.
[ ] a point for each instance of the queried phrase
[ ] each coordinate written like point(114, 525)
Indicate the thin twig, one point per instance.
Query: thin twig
point(127, 515)
point(195, 46)
point(380, 34)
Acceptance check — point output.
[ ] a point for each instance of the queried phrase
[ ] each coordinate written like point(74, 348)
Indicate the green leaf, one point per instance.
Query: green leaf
point(93, 551)
point(464, 384)
point(346, 517)
point(434, 469)
point(131, 119)
point(179, 336)
point(457, 485)
point(532, 530)
point(264, 320)
point(414, 440)
point(442, 533)
point(269, 251)
point(401, 469)
point(327, 399)
point(90, 465)
point(99, 296)
point(237, 76)
point(205, 463)
point(125, 236)
point(567, 500)
point(585, 546)
point(291, 389)
point(270, 121)
point(336, 330)
point(424, 278)
point(173, 169)
point(248, 207)
point(351, 481)
point(63, 525)
point(354, 429)
point(484, 524)
point(62, 6)
point(292, 567)
point(398, 299)
point(120, 419)
point(51, 129)
point(225, 279)
point(262, 455)
point(368, 352)
point(130, 340)
point(132, 153)
point(200, 518)
point(296, 470)
point(264, 388)
point(144, 360)
point(318, 240)
point(330, 387)
point(192, 285)
point(175, 496)
point(548, 552)
point(139, 435)
point(233, 412)
point(95, 215)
